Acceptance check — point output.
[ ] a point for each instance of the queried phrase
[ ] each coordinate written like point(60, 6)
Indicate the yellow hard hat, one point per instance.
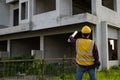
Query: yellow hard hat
point(86, 29)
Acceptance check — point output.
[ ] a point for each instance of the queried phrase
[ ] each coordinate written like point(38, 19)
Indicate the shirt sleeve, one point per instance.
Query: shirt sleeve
point(96, 55)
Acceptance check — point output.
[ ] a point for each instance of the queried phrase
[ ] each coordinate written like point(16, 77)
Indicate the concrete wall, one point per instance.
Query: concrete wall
point(9, 1)
point(113, 63)
point(110, 16)
point(44, 20)
point(112, 33)
point(4, 14)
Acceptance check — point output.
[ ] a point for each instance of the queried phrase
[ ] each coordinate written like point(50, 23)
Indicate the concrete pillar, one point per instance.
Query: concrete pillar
point(96, 6)
point(64, 7)
point(96, 10)
point(115, 5)
point(97, 39)
point(30, 13)
point(118, 6)
point(8, 47)
point(104, 45)
point(119, 46)
point(42, 46)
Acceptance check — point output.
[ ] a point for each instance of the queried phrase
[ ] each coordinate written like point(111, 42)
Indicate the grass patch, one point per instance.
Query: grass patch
point(112, 74)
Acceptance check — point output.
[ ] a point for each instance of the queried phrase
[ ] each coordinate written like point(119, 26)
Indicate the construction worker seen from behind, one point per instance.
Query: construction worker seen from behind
point(87, 58)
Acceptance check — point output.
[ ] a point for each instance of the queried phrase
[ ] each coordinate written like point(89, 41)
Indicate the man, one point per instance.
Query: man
point(87, 58)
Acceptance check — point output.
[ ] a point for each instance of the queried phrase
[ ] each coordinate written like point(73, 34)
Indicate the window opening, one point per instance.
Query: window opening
point(112, 46)
point(42, 6)
point(81, 6)
point(111, 4)
point(24, 10)
point(15, 17)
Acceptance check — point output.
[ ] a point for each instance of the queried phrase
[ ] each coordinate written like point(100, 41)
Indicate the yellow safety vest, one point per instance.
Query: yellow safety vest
point(84, 48)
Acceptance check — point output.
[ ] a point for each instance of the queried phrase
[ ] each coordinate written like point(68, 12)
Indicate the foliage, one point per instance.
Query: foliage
point(111, 74)
point(64, 70)
point(115, 67)
point(20, 58)
point(12, 66)
point(36, 68)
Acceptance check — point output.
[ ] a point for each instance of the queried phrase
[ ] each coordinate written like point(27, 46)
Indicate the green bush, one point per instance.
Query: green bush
point(115, 68)
point(11, 68)
point(20, 58)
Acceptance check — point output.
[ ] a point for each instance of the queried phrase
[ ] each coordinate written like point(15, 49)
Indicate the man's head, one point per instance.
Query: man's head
point(86, 31)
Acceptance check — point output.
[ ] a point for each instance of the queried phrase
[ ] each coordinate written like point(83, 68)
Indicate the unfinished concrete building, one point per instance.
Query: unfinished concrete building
point(45, 25)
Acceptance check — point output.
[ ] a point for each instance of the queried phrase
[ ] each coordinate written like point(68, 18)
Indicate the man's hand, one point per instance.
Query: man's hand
point(97, 65)
point(68, 40)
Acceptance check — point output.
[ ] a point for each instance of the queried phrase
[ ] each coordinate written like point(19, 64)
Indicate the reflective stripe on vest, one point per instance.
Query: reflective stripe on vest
point(83, 59)
point(84, 48)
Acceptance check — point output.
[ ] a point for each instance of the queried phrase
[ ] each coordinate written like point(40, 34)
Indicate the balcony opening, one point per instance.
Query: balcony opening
point(112, 46)
point(42, 6)
point(3, 45)
point(23, 46)
point(111, 4)
point(3, 49)
point(81, 6)
point(15, 17)
point(24, 10)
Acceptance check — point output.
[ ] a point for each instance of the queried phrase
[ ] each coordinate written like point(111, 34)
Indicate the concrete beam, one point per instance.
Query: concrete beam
point(20, 28)
point(80, 18)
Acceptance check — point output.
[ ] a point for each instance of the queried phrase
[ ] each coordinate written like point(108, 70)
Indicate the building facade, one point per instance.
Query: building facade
point(45, 25)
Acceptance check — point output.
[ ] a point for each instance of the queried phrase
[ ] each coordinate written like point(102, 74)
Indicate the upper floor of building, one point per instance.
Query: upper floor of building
point(26, 15)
